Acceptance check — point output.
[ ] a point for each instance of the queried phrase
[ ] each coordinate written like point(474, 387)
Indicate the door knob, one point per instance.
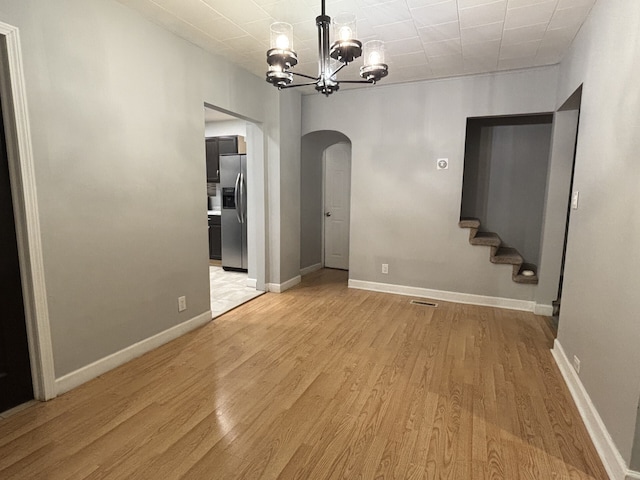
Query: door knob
point(328, 214)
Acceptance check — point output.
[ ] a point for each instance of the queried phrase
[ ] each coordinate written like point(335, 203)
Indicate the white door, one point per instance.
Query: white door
point(337, 194)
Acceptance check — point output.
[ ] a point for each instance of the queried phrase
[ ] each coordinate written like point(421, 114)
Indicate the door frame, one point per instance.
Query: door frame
point(257, 205)
point(26, 213)
point(324, 183)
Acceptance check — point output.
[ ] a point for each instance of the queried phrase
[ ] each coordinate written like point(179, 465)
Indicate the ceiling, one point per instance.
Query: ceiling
point(423, 38)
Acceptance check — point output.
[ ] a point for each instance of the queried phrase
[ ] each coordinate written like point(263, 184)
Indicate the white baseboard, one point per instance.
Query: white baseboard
point(91, 371)
point(281, 287)
point(252, 282)
point(444, 295)
point(633, 475)
point(546, 310)
point(609, 454)
point(310, 269)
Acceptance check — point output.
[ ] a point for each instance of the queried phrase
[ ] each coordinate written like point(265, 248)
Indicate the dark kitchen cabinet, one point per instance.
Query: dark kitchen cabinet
point(216, 146)
point(215, 237)
point(213, 160)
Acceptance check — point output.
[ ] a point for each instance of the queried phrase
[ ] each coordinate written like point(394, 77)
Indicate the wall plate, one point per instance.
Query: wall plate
point(442, 164)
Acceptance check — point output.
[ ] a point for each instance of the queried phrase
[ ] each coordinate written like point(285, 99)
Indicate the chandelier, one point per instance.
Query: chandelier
point(332, 56)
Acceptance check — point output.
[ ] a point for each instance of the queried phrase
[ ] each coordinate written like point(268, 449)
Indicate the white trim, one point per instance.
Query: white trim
point(91, 371)
point(457, 297)
point(281, 287)
point(23, 182)
point(632, 475)
point(310, 269)
point(540, 309)
point(252, 282)
point(609, 454)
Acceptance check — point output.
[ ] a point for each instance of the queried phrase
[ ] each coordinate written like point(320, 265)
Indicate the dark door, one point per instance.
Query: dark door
point(15, 370)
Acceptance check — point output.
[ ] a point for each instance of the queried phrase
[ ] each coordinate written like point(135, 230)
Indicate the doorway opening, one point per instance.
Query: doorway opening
point(325, 201)
point(233, 157)
point(15, 370)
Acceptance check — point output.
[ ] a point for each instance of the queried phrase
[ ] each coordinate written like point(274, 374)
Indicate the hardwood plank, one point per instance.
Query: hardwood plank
point(320, 382)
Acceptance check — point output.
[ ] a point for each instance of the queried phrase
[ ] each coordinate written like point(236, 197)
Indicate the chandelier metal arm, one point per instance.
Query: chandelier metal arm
point(291, 85)
point(358, 81)
point(303, 75)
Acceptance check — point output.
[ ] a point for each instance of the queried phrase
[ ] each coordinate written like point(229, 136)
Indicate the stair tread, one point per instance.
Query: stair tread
point(486, 238)
point(507, 255)
point(518, 277)
point(469, 222)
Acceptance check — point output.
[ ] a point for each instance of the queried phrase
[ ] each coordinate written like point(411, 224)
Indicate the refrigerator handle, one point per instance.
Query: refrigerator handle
point(236, 193)
point(243, 199)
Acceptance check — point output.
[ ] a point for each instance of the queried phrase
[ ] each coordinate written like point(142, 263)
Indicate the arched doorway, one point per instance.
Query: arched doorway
point(313, 193)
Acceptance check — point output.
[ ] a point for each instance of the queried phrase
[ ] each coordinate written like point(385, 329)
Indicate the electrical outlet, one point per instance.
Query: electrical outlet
point(576, 364)
point(385, 268)
point(182, 304)
point(442, 164)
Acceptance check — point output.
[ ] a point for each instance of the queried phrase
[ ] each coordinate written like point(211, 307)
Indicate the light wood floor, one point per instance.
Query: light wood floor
point(320, 382)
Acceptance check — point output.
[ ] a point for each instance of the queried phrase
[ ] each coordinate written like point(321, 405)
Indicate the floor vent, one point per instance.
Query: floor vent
point(423, 303)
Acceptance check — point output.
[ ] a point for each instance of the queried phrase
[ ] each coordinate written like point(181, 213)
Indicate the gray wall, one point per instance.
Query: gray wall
point(600, 302)
point(116, 112)
point(290, 112)
point(565, 125)
point(311, 193)
point(519, 161)
point(404, 211)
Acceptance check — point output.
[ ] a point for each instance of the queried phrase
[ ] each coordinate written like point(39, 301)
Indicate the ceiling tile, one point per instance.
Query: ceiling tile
point(223, 29)
point(289, 11)
point(260, 29)
point(446, 61)
point(513, 63)
point(446, 47)
point(437, 33)
point(392, 12)
point(524, 34)
point(415, 72)
point(483, 14)
point(237, 12)
point(567, 17)
point(435, 14)
point(480, 64)
point(422, 3)
point(575, 3)
point(530, 15)
point(399, 47)
point(525, 3)
point(482, 33)
point(410, 59)
point(519, 50)
point(484, 49)
point(396, 31)
point(196, 14)
point(473, 3)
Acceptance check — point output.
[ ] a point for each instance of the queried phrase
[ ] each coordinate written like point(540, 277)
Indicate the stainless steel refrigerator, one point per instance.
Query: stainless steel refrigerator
point(233, 181)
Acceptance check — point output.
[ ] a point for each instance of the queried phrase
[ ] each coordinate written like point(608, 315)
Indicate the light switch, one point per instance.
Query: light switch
point(574, 200)
point(442, 163)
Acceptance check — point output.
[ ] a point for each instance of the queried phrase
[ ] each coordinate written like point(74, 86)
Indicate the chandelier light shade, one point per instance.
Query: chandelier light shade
point(334, 53)
point(374, 66)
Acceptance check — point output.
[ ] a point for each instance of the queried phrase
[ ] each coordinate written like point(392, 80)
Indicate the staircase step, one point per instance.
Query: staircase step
point(489, 239)
point(518, 277)
point(506, 255)
point(468, 222)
